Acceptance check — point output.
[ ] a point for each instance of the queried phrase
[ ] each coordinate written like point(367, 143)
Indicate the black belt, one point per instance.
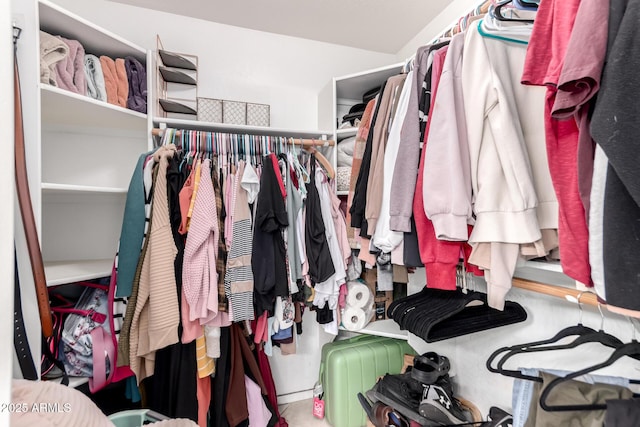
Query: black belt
point(20, 342)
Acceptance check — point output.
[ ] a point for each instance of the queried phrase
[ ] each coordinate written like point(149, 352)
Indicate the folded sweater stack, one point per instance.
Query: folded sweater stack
point(64, 64)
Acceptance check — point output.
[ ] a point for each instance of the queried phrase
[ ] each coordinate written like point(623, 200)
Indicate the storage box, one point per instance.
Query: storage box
point(258, 114)
point(234, 112)
point(352, 366)
point(209, 110)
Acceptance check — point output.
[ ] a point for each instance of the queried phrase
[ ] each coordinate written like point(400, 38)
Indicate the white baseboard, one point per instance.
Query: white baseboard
point(295, 396)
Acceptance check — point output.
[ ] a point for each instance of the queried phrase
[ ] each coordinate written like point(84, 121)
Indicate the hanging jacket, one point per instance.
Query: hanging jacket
point(357, 209)
point(379, 143)
point(384, 238)
point(358, 153)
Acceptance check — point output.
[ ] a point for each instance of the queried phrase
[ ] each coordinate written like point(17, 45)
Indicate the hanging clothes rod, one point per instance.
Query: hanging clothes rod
point(557, 291)
point(305, 142)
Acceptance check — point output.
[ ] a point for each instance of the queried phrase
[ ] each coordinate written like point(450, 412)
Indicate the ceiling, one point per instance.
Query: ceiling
point(377, 25)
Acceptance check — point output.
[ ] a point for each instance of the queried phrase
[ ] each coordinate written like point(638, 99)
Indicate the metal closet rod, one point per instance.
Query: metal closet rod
point(305, 142)
point(587, 298)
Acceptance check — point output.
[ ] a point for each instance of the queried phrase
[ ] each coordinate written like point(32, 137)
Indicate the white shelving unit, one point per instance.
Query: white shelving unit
point(343, 93)
point(83, 194)
point(80, 156)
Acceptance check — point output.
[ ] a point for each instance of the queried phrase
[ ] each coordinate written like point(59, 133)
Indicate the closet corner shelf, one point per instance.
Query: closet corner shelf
point(383, 328)
point(61, 272)
point(240, 129)
point(353, 86)
point(61, 107)
point(54, 189)
point(58, 21)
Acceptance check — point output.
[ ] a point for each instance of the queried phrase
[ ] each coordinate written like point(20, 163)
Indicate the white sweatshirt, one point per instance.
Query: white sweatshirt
point(509, 169)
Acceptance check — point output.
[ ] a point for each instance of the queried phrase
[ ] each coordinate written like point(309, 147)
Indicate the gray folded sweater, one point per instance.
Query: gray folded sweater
point(95, 78)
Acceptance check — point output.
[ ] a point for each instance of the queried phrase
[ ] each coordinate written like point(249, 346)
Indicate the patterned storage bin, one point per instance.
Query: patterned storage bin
point(258, 115)
point(209, 110)
point(234, 112)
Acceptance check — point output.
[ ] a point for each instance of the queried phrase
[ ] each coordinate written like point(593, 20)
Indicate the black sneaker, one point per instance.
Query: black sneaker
point(438, 404)
point(403, 394)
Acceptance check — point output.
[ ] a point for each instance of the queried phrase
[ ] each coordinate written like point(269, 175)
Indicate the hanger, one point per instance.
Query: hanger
point(578, 330)
point(322, 160)
point(496, 12)
point(631, 349)
point(483, 33)
point(599, 336)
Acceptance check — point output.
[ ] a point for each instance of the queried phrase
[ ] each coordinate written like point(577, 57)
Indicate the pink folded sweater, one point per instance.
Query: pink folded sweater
point(70, 70)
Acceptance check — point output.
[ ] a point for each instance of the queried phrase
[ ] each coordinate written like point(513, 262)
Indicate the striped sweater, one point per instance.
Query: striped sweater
point(239, 276)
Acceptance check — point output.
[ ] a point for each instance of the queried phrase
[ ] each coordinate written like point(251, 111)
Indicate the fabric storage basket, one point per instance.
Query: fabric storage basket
point(343, 177)
point(209, 110)
point(234, 112)
point(258, 114)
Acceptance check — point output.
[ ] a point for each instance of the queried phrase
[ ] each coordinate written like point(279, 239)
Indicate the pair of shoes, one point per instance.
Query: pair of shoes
point(439, 405)
point(402, 393)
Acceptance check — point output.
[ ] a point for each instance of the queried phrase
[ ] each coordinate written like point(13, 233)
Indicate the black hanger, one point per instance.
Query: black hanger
point(579, 330)
point(595, 337)
point(497, 13)
point(631, 349)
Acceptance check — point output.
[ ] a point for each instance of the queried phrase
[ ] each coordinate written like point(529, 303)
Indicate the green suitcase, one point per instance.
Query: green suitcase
point(352, 366)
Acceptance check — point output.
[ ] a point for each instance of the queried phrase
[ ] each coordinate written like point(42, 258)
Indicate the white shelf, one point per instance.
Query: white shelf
point(240, 129)
point(61, 189)
point(353, 86)
point(96, 40)
point(342, 192)
point(61, 107)
point(383, 328)
point(61, 272)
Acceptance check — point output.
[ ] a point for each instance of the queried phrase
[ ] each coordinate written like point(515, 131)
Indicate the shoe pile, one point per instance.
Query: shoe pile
point(424, 394)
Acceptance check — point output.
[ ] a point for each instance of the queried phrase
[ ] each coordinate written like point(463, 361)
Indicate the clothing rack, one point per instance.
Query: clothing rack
point(587, 298)
point(236, 142)
point(304, 142)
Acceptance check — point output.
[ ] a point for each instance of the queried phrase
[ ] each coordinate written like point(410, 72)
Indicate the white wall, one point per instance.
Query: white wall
point(237, 63)
point(6, 225)
point(437, 25)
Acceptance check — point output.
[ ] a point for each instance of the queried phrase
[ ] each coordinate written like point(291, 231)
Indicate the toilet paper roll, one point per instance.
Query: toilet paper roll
point(354, 319)
point(358, 295)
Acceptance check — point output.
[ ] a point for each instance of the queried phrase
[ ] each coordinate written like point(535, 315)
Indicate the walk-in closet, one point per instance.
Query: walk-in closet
point(337, 213)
